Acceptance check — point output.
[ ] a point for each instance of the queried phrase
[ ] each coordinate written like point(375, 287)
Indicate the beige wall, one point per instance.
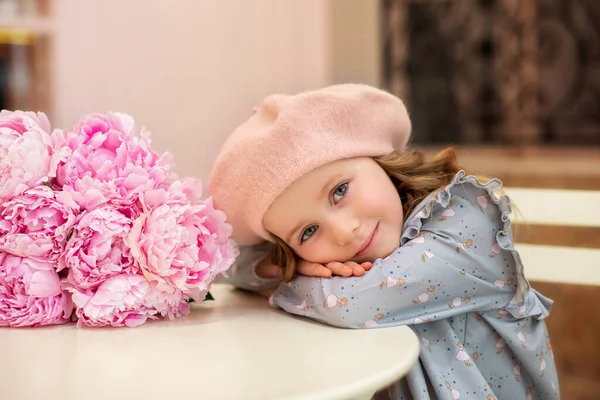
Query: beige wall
point(356, 49)
point(189, 70)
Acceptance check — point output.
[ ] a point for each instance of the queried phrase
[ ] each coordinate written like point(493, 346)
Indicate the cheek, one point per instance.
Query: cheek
point(318, 251)
point(380, 203)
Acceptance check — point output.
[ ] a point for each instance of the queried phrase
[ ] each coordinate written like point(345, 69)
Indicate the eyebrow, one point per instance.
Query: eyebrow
point(323, 192)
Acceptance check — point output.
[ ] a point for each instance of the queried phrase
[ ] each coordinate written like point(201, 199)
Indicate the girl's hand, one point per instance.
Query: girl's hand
point(267, 270)
point(349, 268)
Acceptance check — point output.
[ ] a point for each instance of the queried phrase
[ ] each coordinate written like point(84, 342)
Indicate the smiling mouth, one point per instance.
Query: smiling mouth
point(368, 243)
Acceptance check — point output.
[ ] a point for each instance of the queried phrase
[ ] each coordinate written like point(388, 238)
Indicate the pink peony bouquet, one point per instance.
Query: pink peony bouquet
point(95, 227)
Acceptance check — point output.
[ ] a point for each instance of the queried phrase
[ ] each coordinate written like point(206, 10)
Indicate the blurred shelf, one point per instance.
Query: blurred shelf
point(37, 25)
point(557, 167)
point(25, 62)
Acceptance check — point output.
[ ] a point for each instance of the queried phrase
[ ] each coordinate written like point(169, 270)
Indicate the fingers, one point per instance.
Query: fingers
point(349, 268)
point(341, 269)
point(313, 269)
point(267, 270)
point(357, 269)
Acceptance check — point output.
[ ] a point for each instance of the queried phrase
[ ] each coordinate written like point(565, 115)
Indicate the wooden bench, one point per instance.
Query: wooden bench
point(565, 212)
point(557, 233)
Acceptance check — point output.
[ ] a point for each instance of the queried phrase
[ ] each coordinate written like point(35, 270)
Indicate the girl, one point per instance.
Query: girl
point(320, 184)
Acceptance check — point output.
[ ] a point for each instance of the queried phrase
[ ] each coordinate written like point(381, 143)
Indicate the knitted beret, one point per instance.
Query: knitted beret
point(288, 136)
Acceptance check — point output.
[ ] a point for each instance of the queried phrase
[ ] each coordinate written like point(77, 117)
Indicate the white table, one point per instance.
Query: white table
point(236, 347)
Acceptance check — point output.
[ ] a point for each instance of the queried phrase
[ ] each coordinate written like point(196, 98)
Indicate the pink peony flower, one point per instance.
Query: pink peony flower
point(22, 121)
point(35, 224)
point(93, 223)
point(30, 293)
point(29, 153)
point(178, 244)
point(96, 250)
point(124, 300)
point(117, 163)
point(172, 304)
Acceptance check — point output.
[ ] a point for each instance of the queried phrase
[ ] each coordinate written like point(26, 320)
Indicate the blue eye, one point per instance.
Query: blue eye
point(308, 232)
point(339, 192)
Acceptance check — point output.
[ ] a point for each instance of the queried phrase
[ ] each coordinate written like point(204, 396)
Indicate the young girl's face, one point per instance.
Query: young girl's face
point(347, 210)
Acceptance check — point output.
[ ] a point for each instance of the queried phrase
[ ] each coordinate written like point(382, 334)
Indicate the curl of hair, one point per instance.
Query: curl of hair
point(414, 175)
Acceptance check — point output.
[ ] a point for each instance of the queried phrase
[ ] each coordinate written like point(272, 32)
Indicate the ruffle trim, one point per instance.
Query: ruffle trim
point(526, 302)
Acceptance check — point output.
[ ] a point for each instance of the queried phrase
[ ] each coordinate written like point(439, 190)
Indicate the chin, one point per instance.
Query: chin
point(375, 255)
point(382, 254)
point(387, 250)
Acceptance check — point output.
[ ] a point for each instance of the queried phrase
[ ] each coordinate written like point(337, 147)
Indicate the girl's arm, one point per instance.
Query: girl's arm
point(252, 270)
point(459, 258)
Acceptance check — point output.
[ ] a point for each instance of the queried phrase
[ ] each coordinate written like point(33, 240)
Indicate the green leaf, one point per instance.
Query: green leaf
point(206, 298)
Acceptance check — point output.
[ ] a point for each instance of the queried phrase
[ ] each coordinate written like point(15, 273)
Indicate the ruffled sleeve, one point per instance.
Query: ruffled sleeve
point(456, 256)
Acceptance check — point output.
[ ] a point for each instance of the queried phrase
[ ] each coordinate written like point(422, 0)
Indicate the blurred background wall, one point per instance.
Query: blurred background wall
point(503, 73)
point(189, 70)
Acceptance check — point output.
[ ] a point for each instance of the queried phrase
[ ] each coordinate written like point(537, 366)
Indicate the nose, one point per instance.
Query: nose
point(342, 228)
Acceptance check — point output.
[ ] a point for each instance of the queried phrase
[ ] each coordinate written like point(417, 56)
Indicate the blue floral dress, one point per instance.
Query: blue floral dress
point(458, 282)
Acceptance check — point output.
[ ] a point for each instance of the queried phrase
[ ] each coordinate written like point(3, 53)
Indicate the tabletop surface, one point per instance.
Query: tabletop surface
point(235, 347)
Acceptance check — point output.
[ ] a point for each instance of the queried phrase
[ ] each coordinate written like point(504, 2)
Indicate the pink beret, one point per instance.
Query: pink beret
point(288, 136)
